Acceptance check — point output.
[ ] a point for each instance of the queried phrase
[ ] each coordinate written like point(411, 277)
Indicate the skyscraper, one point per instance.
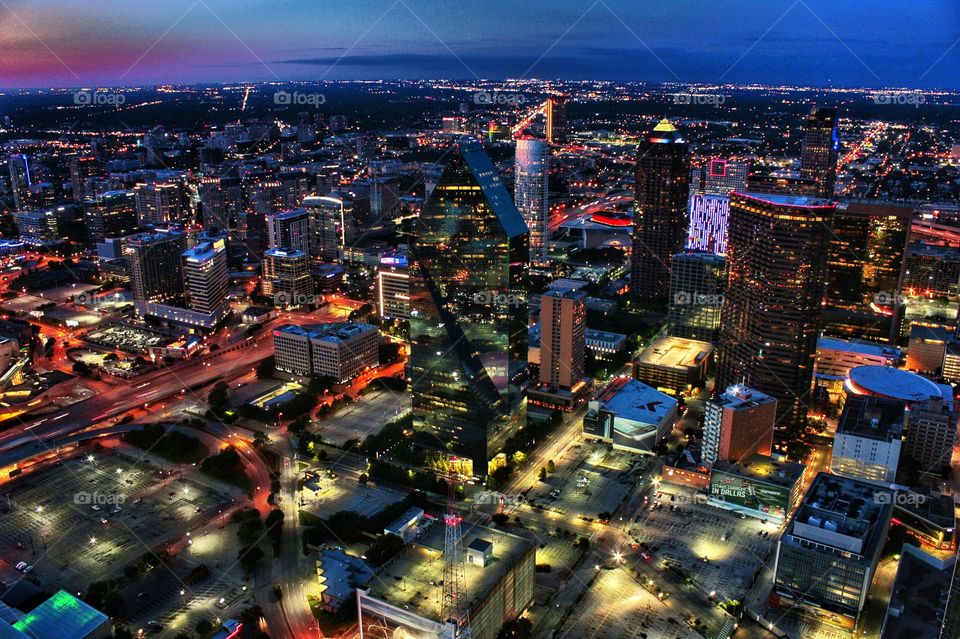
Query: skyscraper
point(737, 424)
point(530, 192)
point(709, 215)
point(82, 169)
point(156, 270)
point(563, 321)
point(205, 277)
point(468, 326)
point(697, 281)
point(720, 176)
point(110, 214)
point(660, 210)
point(159, 203)
point(286, 276)
point(776, 266)
point(556, 115)
point(20, 179)
point(325, 222)
point(289, 230)
point(821, 146)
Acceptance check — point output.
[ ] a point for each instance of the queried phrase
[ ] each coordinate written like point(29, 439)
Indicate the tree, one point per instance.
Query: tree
point(265, 368)
point(249, 558)
point(542, 474)
point(274, 524)
point(551, 467)
point(204, 627)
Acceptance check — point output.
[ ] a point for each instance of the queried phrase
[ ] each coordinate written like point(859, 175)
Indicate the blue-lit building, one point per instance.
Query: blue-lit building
point(468, 314)
point(62, 616)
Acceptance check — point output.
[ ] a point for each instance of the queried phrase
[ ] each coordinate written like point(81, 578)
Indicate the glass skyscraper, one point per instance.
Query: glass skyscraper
point(530, 192)
point(821, 147)
point(468, 308)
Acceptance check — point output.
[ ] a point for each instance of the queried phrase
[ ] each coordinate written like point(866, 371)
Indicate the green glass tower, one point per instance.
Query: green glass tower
point(468, 307)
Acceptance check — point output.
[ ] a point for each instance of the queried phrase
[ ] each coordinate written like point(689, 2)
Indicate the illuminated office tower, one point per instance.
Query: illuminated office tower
point(325, 223)
point(660, 219)
point(110, 214)
point(697, 282)
point(821, 146)
point(20, 180)
point(720, 176)
point(708, 223)
point(82, 169)
point(864, 266)
point(393, 286)
point(205, 277)
point(556, 116)
point(289, 230)
point(737, 424)
point(530, 192)
point(563, 321)
point(468, 326)
point(159, 203)
point(286, 276)
point(776, 270)
point(156, 270)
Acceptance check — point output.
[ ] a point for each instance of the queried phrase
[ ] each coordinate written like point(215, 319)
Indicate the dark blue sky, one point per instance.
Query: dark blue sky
point(912, 43)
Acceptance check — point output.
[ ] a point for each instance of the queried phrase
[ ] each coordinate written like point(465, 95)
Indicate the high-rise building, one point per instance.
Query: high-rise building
point(340, 351)
point(556, 116)
point(468, 326)
point(82, 169)
point(20, 180)
point(776, 266)
point(660, 219)
point(110, 214)
point(867, 443)
point(821, 146)
point(159, 203)
point(393, 286)
point(325, 221)
point(829, 552)
point(205, 277)
point(720, 176)
point(286, 276)
point(931, 434)
point(289, 230)
point(563, 321)
point(709, 215)
point(697, 282)
point(864, 270)
point(156, 270)
point(738, 424)
point(49, 225)
point(531, 170)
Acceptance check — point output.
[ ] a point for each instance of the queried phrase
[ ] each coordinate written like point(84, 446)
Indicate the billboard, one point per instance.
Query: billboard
point(771, 499)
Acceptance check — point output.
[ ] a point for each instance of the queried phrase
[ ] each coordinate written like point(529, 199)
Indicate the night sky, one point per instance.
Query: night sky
point(860, 43)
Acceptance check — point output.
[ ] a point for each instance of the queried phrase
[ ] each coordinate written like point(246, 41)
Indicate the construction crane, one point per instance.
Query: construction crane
point(453, 613)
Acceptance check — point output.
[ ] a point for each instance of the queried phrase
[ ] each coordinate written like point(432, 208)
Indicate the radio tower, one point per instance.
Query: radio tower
point(455, 618)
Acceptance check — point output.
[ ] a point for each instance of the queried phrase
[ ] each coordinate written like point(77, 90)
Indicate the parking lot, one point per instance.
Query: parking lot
point(625, 610)
point(324, 496)
point(366, 416)
point(716, 548)
point(126, 338)
point(85, 519)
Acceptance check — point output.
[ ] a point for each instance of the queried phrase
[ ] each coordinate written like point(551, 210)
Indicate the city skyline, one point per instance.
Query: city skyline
point(59, 44)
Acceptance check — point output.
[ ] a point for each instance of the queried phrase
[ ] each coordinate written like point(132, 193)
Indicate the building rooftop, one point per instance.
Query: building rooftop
point(634, 400)
point(738, 397)
point(928, 333)
point(340, 574)
point(63, 616)
point(872, 417)
point(891, 382)
point(675, 352)
point(763, 468)
point(916, 602)
point(847, 514)
point(798, 201)
point(204, 251)
point(858, 346)
point(413, 580)
point(336, 332)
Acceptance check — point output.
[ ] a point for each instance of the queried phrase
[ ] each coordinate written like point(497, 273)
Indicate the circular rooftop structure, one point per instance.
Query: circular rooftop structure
point(885, 381)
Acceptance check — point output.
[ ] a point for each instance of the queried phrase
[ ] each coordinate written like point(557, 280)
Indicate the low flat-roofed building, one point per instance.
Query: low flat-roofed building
point(341, 351)
point(868, 440)
point(921, 587)
point(339, 575)
point(631, 416)
point(926, 349)
point(835, 358)
point(759, 487)
point(65, 617)
point(673, 364)
point(930, 517)
point(405, 524)
point(493, 592)
point(604, 345)
point(827, 556)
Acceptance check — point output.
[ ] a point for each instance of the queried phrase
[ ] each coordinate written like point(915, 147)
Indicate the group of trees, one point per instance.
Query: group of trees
point(226, 466)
